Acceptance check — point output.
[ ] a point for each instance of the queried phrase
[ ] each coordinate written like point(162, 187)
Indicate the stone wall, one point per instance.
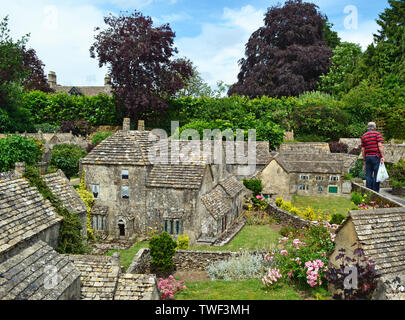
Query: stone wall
point(286, 218)
point(375, 196)
point(184, 259)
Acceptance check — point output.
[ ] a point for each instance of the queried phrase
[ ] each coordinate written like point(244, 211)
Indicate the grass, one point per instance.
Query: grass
point(249, 238)
point(252, 289)
point(329, 205)
point(128, 255)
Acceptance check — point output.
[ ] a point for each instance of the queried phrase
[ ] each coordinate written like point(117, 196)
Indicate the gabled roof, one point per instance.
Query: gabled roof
point(135, 287)
point(217, 202)
point(121, 148)
point(263, 155)
point(23, 276)
point(293, 164)
point(179, 176)
point(381, 233)
point(61, 188)
point(232, 186)
point(87, 91)
point(23, 213)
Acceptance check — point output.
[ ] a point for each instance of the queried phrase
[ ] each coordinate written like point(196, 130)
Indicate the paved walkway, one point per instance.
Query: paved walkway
point(387, 193)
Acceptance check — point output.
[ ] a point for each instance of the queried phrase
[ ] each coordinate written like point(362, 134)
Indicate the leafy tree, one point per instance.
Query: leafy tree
point(384, 59)
point(140, 58)
point(36, 79)
point(15, 148)
point(287, 56)
point(331, 37)
point(345, 59)
point(162, 250)
point(66, 157)
point(195, 87)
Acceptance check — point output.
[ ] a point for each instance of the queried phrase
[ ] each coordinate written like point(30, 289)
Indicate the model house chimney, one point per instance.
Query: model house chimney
point(52, 79)
point(107, 80)
point(141, 125)
point(19, 169)
point(126, 125)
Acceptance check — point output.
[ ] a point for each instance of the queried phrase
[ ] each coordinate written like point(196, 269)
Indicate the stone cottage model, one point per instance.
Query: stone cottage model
point(31, 269)
point(133, 195)
point(317, 173)
point(381, 235)
point(29, 230)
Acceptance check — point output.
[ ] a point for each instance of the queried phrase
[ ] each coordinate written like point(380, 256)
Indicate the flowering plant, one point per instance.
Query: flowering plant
point(169, 287)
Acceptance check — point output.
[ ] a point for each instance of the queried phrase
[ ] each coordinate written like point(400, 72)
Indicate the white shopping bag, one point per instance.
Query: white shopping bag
point(382, 174)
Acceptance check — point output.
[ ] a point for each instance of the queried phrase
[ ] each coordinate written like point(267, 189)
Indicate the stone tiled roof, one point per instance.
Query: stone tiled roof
point(27, 275)
point(98, 275)
point(135, 287)
point(390, 287)
point(180, 176)
point(87, 91)
point(305, 165)
point(61, 188)
point(217, 202)
point(102, 279)
point(263, 155)
point(99, 210)
point(381, 233)
point(121, 148)
point(232, 186)
point(23, 213)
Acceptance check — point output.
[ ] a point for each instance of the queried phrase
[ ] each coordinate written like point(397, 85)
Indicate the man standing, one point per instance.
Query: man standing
point(373, 154)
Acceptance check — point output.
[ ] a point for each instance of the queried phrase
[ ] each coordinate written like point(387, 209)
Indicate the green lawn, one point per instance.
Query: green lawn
point(128, 255)
point(249, 238)
point(236, 290)
point(329, 205)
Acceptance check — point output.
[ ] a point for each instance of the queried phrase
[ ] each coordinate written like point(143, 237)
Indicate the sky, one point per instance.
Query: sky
point(211, 33)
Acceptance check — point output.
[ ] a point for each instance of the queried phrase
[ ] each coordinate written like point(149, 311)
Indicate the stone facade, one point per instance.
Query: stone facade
point(380, 233)
point(134, 195)
point(304, 174)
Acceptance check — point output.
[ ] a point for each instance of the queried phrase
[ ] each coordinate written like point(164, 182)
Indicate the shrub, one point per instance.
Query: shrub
point(355, 151)
point(88, 200)
point(289, 231)
point(162, 249)
point(337, 147)
point(168, 288)
point(46, 128)
point(337, 218)
point(255, 185)
point(397, 174)
point(347, 177)
point(78, 128)
point(66, 157)
point(15, 148)
point(367, 277)
point(243, 267)
point(183, 242)
point(358, 171)
point(357, 198)
point(99, 136)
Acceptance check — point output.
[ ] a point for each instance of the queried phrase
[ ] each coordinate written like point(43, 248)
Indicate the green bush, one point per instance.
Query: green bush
point(53, 108)
point(397, 174)
point(357, 198)
point(183, 242)
point(162, 249)
point(255, 185)
point(100, 136)
point(47, 128)
point(15, 148)
point(66, 157)
point(337, 218)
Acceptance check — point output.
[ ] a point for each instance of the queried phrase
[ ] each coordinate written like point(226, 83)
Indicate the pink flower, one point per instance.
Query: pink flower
point(258, 197)
point(284, 252)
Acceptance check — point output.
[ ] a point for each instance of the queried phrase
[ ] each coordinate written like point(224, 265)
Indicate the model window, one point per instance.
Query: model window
point(300, 187)
point(125, 174)
point(320, 188)
point(172, 226)
point(304, 177)
point(125, 192)
point(307, 186)
point(95, 189)
point(319, 178)
point(334, 178)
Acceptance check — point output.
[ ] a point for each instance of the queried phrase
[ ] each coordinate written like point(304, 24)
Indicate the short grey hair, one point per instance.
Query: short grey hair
point(371, 125)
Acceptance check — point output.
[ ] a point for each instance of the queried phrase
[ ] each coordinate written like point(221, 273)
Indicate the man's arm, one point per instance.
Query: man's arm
point(381, 148)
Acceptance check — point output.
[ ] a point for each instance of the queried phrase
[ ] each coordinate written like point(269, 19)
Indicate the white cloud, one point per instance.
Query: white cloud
point(217, 49)
point(363, 35)
point(61, 34)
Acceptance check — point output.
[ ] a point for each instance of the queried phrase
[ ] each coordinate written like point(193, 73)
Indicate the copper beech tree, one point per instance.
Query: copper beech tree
point(140, 57)
point(286, 56)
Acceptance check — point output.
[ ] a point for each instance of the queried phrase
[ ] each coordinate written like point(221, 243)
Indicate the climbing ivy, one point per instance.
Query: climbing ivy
point(70, 240)
point(88, 200)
